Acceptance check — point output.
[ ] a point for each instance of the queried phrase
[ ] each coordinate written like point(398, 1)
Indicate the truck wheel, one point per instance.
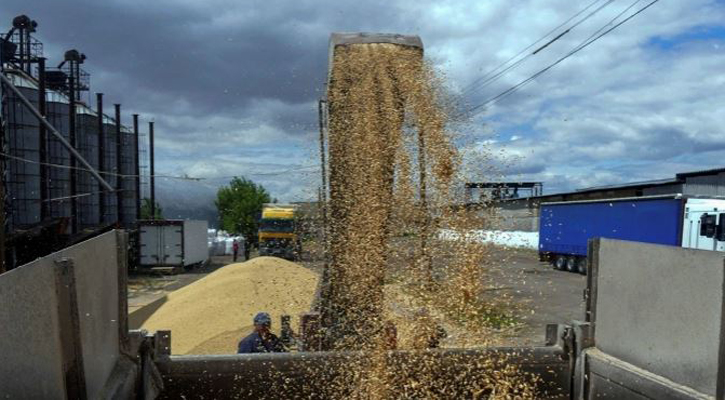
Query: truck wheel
point(582, 265)
point(560, 263)
point(571, 264)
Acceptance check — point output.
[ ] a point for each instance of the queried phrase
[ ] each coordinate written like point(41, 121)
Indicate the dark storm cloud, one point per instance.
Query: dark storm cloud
point(215, 58)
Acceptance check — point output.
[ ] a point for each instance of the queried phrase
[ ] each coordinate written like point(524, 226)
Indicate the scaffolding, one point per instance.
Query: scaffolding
point(22, 183)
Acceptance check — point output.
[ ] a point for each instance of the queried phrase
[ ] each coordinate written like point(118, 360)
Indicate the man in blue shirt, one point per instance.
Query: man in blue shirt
point(262, 340)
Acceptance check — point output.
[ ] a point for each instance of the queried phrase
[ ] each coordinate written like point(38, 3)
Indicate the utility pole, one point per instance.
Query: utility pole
point(137, 166)
point(42, 141)
point(152, 170)
point(3, 102)
point(119, 167)
point(72, 139)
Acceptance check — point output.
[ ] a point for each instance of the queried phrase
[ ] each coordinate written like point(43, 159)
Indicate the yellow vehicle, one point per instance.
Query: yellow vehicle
point(277, 231)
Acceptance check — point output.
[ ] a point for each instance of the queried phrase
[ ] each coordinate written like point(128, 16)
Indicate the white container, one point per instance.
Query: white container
point(173, 243)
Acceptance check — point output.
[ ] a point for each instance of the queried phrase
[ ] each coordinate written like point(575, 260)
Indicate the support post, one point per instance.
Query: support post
point(101, 155)
point(119, 167)
point(3, 122)
point(43, 141)
point(73, 165)
point(137, 166)
point(152, 170)
point(69, 322)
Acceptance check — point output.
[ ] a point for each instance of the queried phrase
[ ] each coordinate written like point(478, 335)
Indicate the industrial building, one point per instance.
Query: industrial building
point(52, 194)
point(522, 213)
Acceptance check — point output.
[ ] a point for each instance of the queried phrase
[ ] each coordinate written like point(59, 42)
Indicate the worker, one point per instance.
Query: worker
point(262, 340)
point(235, 249)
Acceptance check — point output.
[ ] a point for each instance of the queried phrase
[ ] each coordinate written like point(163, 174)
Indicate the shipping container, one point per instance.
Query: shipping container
point(565, 228)
point(172, 243)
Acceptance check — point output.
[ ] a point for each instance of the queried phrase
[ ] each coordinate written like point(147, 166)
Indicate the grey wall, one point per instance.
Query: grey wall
point(31, 363)
point(660, 309)
point(666, 189)
point(708, 185)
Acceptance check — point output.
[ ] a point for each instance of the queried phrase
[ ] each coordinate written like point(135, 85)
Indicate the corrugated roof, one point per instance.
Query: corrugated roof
point(653, 182)
point(701, 172)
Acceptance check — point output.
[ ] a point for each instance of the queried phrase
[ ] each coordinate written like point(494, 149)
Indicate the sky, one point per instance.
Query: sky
point(233, 86)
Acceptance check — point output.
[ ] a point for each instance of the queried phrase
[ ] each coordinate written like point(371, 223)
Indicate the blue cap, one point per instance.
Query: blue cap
point(263, 319)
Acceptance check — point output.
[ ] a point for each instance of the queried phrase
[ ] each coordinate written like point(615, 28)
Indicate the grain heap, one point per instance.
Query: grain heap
point(212, 314)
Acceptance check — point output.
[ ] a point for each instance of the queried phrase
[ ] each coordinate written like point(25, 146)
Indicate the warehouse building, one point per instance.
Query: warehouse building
point(522, 214)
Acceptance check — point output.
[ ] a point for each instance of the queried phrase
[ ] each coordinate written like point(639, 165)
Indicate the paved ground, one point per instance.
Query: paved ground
point(543, 295)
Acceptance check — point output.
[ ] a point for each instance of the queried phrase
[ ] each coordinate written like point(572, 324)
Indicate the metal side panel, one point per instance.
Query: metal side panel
point(457, 373)
point(353, 38)
point(612, 378)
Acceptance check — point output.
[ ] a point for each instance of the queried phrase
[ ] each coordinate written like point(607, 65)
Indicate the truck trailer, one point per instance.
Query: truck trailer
point(675, 220)
point(172, 244)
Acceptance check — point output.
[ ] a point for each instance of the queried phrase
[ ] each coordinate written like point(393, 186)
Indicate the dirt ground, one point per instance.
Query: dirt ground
point(538, 294)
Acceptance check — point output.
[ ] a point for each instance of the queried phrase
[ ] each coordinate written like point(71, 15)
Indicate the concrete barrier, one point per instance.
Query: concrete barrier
point(659, 309)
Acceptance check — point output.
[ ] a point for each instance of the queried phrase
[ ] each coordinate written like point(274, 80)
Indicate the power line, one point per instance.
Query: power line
point(528, 47)
point(571, 53)
point(68, 167)
point(492, 75)
point(302, 169)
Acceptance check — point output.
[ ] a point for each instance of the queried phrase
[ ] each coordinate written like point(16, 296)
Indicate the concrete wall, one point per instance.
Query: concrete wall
point(526, 220)
point(660, 308)
point(31, 360)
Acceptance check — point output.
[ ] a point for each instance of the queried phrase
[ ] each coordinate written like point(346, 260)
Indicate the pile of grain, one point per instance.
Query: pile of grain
point(211, 315)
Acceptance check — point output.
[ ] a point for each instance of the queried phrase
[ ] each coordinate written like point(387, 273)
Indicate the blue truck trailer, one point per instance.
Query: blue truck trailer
point(566, 227)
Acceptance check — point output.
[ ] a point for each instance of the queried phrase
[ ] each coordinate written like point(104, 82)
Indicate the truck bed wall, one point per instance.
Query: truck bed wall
point(321, 375)
point(565, 228)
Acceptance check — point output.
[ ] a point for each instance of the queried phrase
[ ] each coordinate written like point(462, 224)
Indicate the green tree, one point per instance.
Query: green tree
point(240, 205)
point(146, 209)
